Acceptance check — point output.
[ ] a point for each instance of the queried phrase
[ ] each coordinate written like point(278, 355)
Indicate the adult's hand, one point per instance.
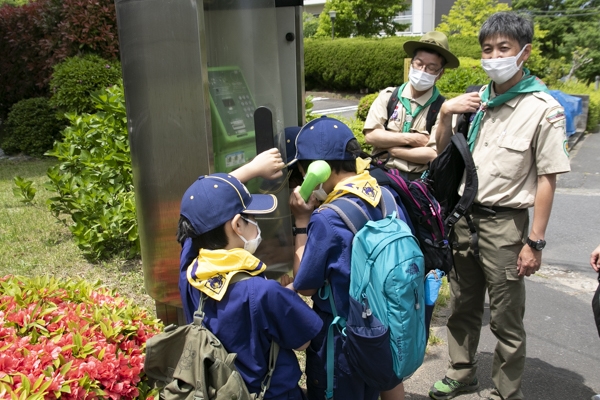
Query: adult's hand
point(529, 261)
point(595, 259)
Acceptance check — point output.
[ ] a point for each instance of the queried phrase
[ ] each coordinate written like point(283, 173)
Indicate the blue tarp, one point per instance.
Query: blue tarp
point(573, 107)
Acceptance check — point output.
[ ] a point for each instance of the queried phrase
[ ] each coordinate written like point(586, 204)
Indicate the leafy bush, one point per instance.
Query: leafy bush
point(76, 78)
point(364, 105)
point(457, 80)
point(353, 64)
point(93, 180)
point(71, 340)
point(359, 63)
point(38, 35)
point(31, 127)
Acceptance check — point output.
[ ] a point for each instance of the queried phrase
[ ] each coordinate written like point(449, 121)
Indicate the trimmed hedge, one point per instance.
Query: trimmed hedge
point(76, 78)
point(359, 63)
point(31, 128)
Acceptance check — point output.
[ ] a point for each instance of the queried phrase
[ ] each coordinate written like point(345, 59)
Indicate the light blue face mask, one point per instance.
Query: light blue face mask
point(251, 245)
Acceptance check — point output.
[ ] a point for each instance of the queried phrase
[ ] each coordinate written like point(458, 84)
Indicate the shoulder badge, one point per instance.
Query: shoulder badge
point(556, 117)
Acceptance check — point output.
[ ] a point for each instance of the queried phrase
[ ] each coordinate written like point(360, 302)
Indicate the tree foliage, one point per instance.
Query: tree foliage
point(467, 16)
point(366, 18)
point(570, 26)
point(309, 24)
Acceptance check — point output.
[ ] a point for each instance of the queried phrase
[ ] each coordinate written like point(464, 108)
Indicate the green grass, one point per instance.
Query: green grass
point(33, 242)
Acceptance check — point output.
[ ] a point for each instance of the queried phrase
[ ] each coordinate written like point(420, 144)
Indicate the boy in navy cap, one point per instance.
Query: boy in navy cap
point(324, 251)
point(217, 217)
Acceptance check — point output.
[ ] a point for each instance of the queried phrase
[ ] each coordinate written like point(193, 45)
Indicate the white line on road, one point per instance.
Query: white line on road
point(578, 191)
point(336, 110)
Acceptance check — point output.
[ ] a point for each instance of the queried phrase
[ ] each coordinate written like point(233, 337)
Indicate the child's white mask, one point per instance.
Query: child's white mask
point(320, 193)
point(251, 245)
point(502, 69)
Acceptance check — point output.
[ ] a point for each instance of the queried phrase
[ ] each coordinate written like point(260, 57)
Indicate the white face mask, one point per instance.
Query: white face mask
point(501, 70)
point(251, 245)
point(421, 80)
point(320, 193)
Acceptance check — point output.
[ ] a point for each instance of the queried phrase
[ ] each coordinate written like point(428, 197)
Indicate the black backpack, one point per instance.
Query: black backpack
point(445, 174)
point(434, 109)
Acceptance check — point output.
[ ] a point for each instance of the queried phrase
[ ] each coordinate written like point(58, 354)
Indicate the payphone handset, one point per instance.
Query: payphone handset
point(232, 112)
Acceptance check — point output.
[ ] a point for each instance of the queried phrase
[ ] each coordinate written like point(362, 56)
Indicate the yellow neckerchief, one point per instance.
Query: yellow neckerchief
point(213, 270)
point(362, 185)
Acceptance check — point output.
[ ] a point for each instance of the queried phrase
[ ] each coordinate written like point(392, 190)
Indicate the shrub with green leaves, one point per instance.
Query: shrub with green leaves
point(93, 181)
point(458, 79)
point(31, 127)
point(361, 63)
point(364, 105)
point(71, 340)
point(76, 78)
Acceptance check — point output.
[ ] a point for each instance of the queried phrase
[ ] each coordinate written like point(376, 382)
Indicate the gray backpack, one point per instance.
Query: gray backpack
point(189, 362)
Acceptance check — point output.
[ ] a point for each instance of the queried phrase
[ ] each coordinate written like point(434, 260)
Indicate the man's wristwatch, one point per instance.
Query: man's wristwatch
point(537, 245)
point(298, 231)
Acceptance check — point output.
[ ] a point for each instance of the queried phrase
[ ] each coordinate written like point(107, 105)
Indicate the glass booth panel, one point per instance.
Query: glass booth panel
point(243, 75)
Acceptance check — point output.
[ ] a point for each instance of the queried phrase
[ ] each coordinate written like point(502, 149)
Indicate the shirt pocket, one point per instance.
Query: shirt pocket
point(510, 159)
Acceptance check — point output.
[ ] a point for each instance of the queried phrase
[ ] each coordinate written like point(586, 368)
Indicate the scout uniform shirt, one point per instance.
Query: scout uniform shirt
point(517, 141)
point(378, 115)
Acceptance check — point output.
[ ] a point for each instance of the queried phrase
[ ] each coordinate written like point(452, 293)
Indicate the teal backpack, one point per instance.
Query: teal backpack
point(384, 335)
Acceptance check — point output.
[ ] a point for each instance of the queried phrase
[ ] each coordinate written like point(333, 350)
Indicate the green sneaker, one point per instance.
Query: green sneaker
point(449, 388)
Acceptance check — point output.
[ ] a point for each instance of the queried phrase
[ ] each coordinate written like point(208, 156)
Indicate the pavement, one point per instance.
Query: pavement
point(563, 347)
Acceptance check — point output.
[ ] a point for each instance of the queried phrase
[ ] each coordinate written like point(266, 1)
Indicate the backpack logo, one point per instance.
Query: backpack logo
point(187, 357)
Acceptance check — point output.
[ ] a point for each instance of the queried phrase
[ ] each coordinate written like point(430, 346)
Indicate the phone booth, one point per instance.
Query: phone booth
point(208, 84)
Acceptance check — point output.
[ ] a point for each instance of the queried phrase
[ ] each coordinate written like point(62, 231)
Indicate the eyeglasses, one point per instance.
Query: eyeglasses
point(429, 68)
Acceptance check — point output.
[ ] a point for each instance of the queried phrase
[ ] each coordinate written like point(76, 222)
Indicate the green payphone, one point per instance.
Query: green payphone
point(232, 114)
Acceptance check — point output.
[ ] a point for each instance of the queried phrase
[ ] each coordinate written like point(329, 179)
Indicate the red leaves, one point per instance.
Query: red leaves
point(36, 36)
point(70, 340)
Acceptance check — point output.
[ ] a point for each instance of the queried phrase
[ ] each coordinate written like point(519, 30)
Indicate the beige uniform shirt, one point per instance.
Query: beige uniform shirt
point(378, 115)
point(517, 141)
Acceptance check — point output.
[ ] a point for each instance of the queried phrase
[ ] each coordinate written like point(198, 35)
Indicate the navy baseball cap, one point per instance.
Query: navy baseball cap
point(324, 139)
point(214, 199)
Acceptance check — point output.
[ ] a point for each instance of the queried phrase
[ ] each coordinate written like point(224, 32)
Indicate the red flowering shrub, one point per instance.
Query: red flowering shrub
point(71, 340)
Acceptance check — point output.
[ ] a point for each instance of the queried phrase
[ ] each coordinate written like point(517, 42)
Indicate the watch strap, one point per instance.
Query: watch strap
point(298, 231)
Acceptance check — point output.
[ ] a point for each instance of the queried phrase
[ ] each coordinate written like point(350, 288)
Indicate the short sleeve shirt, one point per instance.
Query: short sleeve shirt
point(378, 115)
point(254, 312)
point(518, 141)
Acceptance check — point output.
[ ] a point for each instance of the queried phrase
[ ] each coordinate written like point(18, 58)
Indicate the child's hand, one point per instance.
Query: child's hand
point(267, 164)
point(286, 281)
point(301, 210)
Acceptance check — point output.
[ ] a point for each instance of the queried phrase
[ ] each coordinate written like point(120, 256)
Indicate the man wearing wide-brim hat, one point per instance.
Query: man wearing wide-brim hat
point(400, 120)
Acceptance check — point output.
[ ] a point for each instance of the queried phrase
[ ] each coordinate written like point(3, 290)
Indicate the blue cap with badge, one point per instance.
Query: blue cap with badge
point(214, 199)
point(324, 139)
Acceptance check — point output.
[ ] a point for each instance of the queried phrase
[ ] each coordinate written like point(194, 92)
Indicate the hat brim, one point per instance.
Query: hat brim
point(412, 46)
point(261, 204)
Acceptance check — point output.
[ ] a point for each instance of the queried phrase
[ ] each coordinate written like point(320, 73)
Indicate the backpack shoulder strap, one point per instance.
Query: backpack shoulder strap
point(434, 110)
point(391, 105)
point(351, 213)
point(471, 182)
point(387, 203)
